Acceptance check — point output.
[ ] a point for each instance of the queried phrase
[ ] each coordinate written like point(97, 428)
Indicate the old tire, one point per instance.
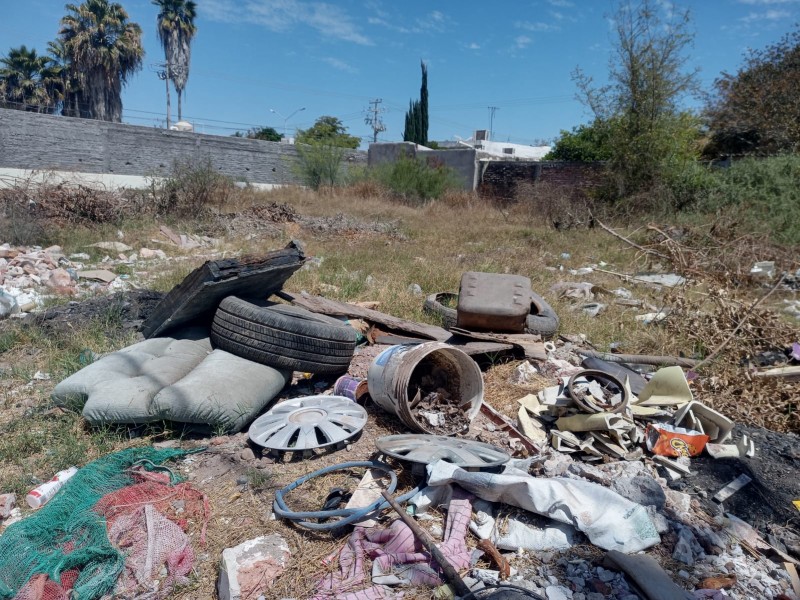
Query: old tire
point(284, 337)
point(433, 305)
point(543, 320)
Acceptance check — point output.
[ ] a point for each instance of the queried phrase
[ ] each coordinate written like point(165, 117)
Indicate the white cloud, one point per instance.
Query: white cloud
point(340, 64)
point(521, 41)
point(769, 15)
point(538, 26)
point(474, 46)
point(561, 3)
point(282, 15)
point(556, 15)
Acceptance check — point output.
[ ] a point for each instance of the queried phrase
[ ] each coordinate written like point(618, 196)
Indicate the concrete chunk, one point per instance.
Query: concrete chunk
point(249, 569)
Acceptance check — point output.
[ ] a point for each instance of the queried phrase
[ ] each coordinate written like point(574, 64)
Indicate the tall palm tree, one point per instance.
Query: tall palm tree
point(176, 29)
point(26, 80)
point(62, 78)
point(104, 50)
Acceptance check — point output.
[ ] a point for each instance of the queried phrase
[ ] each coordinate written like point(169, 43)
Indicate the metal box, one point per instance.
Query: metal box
point(493, 302)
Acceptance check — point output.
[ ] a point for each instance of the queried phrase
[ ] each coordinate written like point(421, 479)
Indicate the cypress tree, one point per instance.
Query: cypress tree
point(423, 106)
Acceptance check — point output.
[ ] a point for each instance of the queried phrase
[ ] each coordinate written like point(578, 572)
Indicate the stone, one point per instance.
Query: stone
point(247, 454)
point(147, 253)
point(249, 569)
point(641, 490)
point(7, 504)
point(112, 246)
point(557, 592)
point(415, 289)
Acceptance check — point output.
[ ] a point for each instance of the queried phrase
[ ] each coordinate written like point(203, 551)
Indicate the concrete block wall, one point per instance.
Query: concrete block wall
point(500, 179)
point(35, 141)
point(462, 160)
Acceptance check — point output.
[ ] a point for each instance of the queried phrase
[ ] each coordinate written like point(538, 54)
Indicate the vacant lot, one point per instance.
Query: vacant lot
point(368, 248)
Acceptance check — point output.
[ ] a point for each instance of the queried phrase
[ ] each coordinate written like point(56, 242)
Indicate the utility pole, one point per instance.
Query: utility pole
point(492, 110)
point(373, 118)
point(164, 75)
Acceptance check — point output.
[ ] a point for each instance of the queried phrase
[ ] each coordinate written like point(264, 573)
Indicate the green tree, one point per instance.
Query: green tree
point(757, 109)
point(176, 29)
point(104, 49)
point(29, 81)
point(648, 77)
point(585, 143)
point(327, 131)
point(416, 120)
point(267, 134)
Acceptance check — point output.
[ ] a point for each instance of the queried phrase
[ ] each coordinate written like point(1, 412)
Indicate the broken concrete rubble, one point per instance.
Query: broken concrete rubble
point(248, 570)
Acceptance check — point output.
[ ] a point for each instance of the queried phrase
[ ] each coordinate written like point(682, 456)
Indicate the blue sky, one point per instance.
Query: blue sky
point(333, 57)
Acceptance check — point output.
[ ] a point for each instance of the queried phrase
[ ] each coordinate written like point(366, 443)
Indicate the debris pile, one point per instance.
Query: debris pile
point(596, 490)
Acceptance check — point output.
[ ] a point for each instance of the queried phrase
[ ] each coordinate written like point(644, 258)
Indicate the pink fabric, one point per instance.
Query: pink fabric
point(395, 551)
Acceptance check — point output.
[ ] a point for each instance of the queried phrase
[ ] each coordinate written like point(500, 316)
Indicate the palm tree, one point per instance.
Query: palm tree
point(62, 77)
point(176, 29)
point(104, 49)
point(25, 80)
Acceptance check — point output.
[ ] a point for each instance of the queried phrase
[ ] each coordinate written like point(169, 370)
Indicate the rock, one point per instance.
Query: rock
point(524, 374)
point(678, 502)
point(148, 254)
point(558, 592)
point(7, 504)
point(415, 289)
point(112, 246)
point(687, 547)
point(641, 490)
point(103, 275)
point(249, 569)
point(247, 454)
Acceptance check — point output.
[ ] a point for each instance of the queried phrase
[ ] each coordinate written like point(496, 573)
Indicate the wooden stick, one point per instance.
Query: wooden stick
point(629, 242)
point(498, 559)
point(449, 571)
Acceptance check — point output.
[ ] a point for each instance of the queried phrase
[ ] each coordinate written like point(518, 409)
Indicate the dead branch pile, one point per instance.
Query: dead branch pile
point(727, 384)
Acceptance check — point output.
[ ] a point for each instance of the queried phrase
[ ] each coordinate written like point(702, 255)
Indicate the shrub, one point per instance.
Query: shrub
point(191, 188)
point(763, 194)
point(320, 165)
point(414, 180)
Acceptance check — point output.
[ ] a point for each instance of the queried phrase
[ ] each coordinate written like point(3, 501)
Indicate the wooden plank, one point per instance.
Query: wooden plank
point(530, 344)
point(333, 308)
point(198, 295)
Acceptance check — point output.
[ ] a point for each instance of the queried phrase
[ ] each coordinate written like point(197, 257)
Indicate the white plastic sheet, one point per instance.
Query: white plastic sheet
point(609, 521)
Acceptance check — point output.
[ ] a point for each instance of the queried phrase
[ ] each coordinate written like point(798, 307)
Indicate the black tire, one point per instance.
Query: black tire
point(543, 320)
point(284, 337)
point(433, 305)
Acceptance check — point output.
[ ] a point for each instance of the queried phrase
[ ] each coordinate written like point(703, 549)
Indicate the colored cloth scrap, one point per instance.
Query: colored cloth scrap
point(397, 557)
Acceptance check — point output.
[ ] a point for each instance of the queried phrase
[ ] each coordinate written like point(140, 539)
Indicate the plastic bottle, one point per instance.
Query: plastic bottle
point(41, 495)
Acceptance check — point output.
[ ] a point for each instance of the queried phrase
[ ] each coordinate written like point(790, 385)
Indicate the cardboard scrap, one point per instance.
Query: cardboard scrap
point(699, 417)
point(367, 492)
point(668, 387)
point(594, 422)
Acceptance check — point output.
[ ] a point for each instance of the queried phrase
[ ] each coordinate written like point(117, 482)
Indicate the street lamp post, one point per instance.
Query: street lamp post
point(286, 119)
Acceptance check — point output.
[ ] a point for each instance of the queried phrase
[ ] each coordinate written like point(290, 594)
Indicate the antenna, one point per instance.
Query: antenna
point(492, 110)
point(373, 118)
point(163, 72)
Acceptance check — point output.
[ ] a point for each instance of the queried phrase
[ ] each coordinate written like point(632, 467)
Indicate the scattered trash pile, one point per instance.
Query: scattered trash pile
point(597, 458)
point(120, 526)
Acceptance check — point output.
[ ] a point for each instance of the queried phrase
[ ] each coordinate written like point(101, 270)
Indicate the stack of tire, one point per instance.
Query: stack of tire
point(283, 337)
